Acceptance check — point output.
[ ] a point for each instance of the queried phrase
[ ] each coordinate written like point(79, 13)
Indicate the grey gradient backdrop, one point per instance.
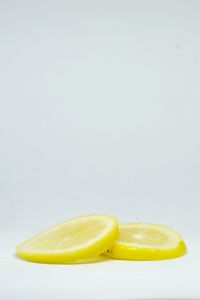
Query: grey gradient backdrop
point(99, 111)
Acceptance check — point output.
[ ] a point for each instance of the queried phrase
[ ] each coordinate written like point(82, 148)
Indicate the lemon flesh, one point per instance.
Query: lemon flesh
point(81, 238)
point(140, 241)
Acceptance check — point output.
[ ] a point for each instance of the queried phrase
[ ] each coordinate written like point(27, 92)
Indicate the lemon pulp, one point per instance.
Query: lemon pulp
point(140, 241)
point(81, 238)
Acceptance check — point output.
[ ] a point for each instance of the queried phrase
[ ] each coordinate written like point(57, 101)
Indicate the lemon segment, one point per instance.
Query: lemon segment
point(140, 241)
point(78, 239)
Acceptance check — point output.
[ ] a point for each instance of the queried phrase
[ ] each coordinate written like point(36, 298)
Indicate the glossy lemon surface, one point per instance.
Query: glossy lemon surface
point(81, 238)
point(140, 241)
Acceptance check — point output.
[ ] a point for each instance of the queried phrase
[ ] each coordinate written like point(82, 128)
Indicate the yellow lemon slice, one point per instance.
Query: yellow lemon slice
point(81, 238)
point(139, 241)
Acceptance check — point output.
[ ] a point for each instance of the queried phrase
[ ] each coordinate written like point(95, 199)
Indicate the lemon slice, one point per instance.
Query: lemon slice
point(81, 238)
point(139, 241)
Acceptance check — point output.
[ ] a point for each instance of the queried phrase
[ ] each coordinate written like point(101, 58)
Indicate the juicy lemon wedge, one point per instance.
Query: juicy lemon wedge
point(139, 241)
point(78, 239)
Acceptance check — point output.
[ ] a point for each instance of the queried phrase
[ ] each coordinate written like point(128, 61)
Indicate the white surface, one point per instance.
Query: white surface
point(171, 279)
point(99, 112)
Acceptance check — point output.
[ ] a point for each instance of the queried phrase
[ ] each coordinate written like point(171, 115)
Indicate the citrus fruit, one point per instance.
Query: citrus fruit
point(81, 238)
point(140, 241)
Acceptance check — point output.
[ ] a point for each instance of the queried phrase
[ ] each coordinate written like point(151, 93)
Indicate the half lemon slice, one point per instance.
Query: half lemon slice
point(78, 239)
point(140, 241)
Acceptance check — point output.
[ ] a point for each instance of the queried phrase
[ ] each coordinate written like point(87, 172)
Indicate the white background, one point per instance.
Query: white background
point(99, 113)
